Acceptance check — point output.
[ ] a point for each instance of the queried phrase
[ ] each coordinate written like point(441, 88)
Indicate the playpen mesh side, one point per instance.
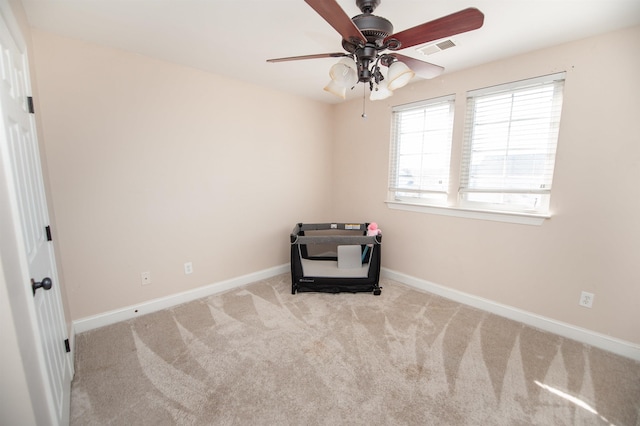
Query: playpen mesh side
point(329, 268)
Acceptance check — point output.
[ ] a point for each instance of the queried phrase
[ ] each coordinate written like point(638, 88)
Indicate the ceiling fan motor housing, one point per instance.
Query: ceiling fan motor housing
point(375, 29)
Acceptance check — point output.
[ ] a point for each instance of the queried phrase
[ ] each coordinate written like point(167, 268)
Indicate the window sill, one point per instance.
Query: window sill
point(496, 216)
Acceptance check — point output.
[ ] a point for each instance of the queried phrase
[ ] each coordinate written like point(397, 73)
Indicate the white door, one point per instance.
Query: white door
point(19, 137)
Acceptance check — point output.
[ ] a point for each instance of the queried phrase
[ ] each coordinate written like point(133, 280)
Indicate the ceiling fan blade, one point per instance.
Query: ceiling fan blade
point(456, 23)
point(421, 68)
point(317, 56)
point(338, 19)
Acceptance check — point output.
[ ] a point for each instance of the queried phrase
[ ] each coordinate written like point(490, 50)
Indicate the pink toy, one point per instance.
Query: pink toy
point(373, 230)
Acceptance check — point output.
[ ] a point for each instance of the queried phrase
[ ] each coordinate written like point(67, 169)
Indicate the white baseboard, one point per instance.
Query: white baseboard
point(602, 341)
point(123, 314)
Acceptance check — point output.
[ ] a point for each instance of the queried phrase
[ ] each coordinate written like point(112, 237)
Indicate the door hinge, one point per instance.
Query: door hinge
point(47, 229)
point(30, 105)
point(67, 346)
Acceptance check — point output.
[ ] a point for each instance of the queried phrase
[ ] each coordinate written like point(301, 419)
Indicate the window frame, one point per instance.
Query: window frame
point(424, 195)
point(453, 206)
point(538, 186)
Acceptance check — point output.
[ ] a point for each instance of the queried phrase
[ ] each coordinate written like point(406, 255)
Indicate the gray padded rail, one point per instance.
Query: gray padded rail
point(332, 239)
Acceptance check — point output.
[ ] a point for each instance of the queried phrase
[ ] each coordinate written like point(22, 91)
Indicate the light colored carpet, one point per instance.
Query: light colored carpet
point(259, 355)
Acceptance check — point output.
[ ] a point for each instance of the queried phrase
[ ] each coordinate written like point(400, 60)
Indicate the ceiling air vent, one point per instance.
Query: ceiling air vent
point(432, 48)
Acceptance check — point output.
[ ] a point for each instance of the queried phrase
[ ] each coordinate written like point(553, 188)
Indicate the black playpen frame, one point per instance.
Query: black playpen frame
point(370, 248)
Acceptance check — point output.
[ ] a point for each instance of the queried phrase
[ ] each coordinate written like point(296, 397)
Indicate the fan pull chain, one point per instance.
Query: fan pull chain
point(364, 96)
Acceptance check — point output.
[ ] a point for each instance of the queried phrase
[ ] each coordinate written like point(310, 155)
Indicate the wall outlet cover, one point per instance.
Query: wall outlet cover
point(586, 299)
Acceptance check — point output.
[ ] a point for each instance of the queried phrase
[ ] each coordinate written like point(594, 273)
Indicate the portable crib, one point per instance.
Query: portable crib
point(334, 258)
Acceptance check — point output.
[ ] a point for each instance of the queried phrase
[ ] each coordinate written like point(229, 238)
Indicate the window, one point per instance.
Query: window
point(504, 161)
point(421, 154)
point(511, 133)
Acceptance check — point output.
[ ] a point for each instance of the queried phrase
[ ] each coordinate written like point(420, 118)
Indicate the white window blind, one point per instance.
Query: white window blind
point(421, 150)
point(511, 133)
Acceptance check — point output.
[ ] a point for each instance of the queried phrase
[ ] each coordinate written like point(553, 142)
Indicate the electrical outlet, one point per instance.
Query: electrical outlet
point(145, 278)
point(188, 268)
point(586, 299)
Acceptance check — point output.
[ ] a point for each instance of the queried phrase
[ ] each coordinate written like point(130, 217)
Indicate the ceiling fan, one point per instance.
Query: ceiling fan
point(367, 37)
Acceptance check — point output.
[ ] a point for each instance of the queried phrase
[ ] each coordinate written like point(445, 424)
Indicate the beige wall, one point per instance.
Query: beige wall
point(592, 242)
point(153, 165)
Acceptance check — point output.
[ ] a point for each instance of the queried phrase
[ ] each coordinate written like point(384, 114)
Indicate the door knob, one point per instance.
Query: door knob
point(46, 283)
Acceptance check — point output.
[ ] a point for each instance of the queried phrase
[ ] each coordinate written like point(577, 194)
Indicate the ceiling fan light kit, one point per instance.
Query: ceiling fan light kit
point(345, 72)
point(399, 75)
point(380, 91)
point(367, 37)
point(335, 89)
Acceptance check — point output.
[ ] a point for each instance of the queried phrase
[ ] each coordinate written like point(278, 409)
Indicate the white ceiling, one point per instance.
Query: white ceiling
point(235, 38)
